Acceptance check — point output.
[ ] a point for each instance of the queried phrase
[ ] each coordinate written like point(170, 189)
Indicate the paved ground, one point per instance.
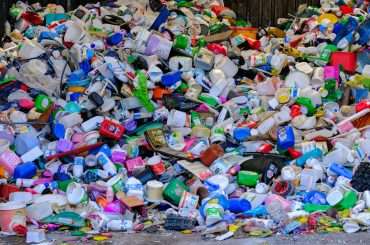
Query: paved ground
point(176, 238)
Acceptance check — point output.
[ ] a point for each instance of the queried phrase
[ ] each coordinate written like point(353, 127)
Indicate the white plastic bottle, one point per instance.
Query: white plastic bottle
point(78, 167)
point(106, 163)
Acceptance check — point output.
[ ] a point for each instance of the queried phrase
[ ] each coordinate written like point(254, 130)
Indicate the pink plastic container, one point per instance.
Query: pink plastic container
point(134, 163)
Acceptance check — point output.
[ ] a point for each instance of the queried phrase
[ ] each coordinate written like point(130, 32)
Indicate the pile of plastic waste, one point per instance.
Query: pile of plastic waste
point(178, 115)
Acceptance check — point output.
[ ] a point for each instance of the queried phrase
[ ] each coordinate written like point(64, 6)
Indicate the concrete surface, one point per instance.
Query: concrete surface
point(177, 238)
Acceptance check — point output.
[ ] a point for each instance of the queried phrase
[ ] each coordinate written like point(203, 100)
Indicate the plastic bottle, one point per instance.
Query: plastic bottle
point(78, 167)
point(214, 212)
point(106, 163)
point(340, 170)
point(315, 153)
point(97, 45)
point(109, 195)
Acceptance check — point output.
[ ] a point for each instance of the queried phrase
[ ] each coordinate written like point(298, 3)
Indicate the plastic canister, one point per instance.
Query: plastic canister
point(213, 211)
point(211, 154)
point(107, 164)
point(309, 177)
point(176, 119)
point(348, 201)
point(226, 65)
point(315, 153)
point(158, 45)
point(247, 178)
point(156, 165)
point(154, 191)
point(135, 188)
point(173, 191)
point(285, 138)
point(12, 216)
point(334, 196)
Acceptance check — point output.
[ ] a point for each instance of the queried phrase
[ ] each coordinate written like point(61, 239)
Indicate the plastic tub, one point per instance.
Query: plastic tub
point(12, 215)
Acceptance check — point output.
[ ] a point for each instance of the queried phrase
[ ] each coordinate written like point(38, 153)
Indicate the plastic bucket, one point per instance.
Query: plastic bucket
point(12, 214)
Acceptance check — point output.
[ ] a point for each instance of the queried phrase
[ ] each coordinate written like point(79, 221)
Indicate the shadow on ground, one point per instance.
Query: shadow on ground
point(176, 238)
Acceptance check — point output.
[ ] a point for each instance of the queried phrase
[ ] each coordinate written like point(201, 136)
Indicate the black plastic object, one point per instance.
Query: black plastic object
point(260, 161)
point(271, 172)
point(178, 102)
point(96, 99)
point(155, 5)
point(179, 223)
point(360, 180)
point(145, 175)
point(113, 20)
point(140, 63)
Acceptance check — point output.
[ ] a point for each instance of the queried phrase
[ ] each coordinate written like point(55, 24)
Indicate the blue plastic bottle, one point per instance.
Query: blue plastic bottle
point(340, 170)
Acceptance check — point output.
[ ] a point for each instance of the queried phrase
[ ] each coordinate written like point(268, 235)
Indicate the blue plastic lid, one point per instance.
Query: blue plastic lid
point(25, 170)
point(241, 134)
point(59, 130)
point(74, 97)
point(115, 38)
point(171, 78)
